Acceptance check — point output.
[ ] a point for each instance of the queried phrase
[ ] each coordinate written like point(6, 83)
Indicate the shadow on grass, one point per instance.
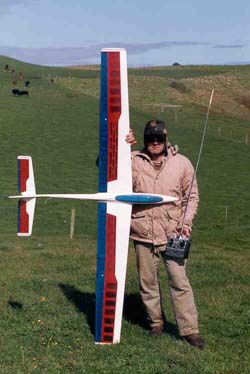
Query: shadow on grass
point(15, 304)
point(133, 311)
point(172, 330)
point(84, 302)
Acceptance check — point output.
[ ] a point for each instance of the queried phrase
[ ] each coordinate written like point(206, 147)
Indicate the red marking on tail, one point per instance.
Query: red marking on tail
point(23, 217)
point(23, 174)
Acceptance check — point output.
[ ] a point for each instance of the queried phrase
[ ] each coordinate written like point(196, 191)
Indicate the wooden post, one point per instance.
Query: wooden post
point(72, 223)
point(226, 216)
point(219, 131)
point(246, 140)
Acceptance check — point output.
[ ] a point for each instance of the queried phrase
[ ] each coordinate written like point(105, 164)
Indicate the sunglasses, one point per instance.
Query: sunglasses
point(155, 138)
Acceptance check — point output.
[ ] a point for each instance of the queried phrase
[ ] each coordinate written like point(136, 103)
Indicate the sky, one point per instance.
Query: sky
point(154, 33)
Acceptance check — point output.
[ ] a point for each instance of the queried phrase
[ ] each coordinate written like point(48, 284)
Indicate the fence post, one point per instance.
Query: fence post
point(226, 217)
point(72, 223)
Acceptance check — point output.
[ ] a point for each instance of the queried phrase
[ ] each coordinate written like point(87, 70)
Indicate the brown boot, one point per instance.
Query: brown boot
point(195, 339)
point(156, 330)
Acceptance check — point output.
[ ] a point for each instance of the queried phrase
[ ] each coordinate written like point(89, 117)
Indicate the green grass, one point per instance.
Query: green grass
point(189, 71)
point(48, 281)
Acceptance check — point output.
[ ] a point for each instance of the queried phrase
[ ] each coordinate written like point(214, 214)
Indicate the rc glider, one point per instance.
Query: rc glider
point(115, 196)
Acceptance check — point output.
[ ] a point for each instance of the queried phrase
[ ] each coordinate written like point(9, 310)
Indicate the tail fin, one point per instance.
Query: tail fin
point(26, 187)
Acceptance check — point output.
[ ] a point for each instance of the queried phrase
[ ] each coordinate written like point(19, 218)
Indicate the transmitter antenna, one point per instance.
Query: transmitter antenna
point(199, 156)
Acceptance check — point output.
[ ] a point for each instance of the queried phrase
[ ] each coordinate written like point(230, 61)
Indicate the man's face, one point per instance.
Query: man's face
point(155, 144)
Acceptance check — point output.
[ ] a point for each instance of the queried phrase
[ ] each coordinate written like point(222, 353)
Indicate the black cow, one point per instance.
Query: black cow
point(23, 93)
point(15, 92)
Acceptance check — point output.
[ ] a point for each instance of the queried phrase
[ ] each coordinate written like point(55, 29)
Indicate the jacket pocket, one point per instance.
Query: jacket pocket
point(173, 222)
point(139, 224)
point(174, 215)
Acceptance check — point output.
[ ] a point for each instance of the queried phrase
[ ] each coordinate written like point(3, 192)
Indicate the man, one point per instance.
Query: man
point(159, 168)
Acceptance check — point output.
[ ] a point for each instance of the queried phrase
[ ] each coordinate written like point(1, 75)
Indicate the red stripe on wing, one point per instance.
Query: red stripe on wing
point(114, 112)
point(110, 282)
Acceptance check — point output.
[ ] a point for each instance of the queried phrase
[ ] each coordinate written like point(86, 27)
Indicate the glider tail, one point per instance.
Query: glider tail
point(26, 187)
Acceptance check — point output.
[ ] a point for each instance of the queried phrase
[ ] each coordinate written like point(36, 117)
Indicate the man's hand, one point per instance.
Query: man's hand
point(130, 139)
point(186, 232)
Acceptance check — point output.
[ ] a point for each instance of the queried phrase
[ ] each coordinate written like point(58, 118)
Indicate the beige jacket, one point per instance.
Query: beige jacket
point(156, 223)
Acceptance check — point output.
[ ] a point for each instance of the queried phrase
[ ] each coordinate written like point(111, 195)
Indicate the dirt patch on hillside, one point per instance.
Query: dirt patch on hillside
point(146, 93)
point(230, 96)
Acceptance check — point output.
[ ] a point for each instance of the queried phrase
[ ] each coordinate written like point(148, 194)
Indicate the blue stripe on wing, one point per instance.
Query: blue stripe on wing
point(103, 135)
point(102, 187)
point(100, 269)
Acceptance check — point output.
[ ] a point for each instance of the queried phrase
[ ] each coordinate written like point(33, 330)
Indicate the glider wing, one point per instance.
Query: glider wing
point(114, 177)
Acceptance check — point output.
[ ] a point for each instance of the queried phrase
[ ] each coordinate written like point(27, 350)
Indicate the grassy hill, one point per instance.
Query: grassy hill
point(48, 281)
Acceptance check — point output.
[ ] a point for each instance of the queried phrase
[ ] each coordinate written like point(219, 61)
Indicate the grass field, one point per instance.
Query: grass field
point(47, 281)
